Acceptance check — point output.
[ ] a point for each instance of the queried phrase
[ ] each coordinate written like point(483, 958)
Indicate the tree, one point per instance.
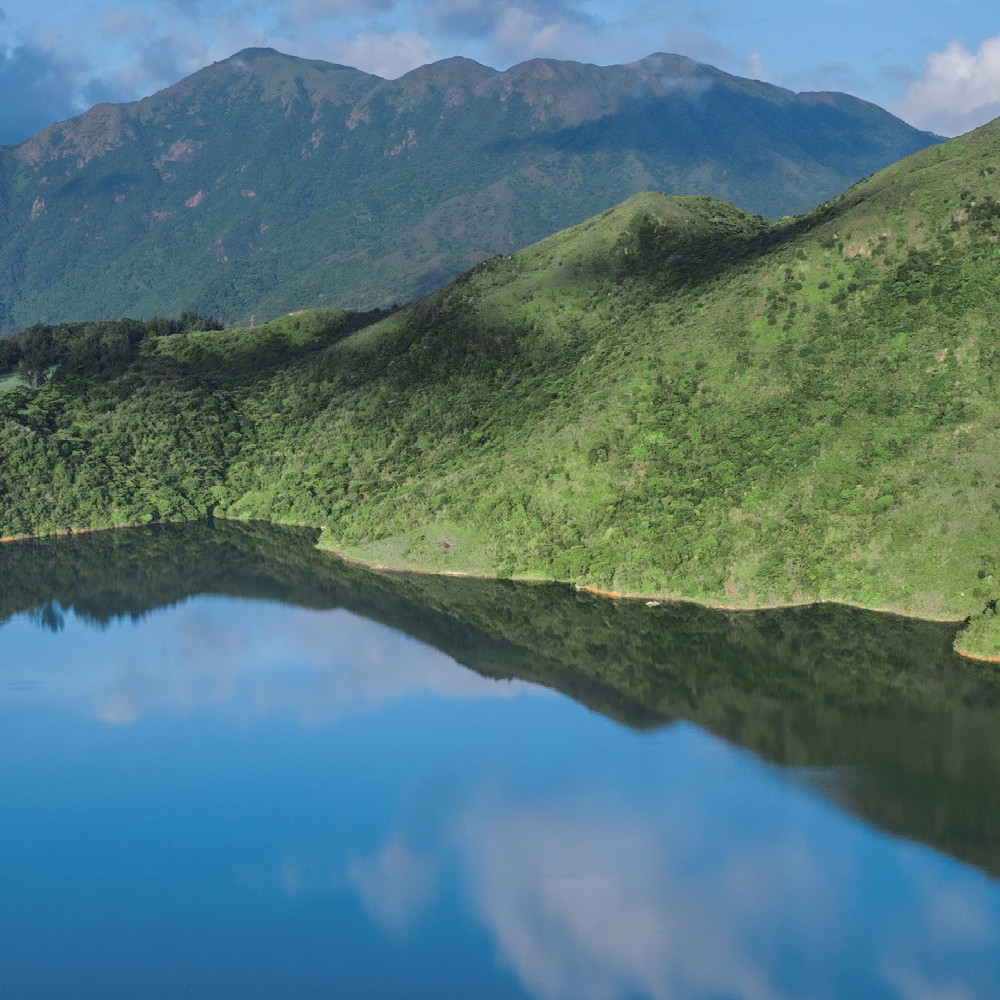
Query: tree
point(38, 354)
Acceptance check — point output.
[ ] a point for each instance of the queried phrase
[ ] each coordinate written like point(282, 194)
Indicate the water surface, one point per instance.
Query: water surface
point(233, 766)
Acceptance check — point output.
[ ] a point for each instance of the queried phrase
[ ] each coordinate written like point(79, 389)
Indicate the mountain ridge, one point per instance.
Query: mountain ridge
point(265, 182)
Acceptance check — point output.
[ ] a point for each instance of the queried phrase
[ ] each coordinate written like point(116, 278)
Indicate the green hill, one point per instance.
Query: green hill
point(266, 183)
point(674, 399)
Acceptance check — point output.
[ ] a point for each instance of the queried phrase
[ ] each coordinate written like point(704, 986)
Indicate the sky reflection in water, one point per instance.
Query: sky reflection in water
point(247, 799)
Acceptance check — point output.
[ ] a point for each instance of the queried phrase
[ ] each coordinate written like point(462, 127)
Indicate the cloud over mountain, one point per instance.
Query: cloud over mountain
point(42, 85)
point(957, 91)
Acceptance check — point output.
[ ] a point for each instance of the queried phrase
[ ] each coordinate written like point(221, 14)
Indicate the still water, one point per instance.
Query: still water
point(231, 767)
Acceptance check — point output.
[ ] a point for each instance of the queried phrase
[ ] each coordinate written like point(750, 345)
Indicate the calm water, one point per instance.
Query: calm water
point(208, 789)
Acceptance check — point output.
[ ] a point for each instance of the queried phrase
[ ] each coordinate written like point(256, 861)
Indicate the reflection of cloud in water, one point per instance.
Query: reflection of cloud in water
point(252, 659)
point(395, 885)
point(588, 902)
point(724, 880)
point(591, 907)
point(948, 920)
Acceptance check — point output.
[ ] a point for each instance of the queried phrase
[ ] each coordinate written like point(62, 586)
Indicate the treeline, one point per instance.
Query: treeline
point(131, 422)
point(99, 347)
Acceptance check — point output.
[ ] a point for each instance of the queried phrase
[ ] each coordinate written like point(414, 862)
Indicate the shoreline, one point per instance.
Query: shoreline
point(613, 595)
point(777, 606)
point(616, 595)
point(974, 657)
point(68, 532)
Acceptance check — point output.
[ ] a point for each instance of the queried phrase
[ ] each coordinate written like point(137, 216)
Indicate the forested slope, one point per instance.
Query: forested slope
point(674, 399)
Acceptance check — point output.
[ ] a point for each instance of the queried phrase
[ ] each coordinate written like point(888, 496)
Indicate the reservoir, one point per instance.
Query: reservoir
point(232, 765)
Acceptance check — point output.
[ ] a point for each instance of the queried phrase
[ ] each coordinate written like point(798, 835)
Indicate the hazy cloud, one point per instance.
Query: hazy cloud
point(705, 48)
point(958, 90)
point(309, 11)
point(161, 51)
point(157, 63)
point(588, 902)
point(947, 919)
point(117, 23)
point(388, 56)
point(511, 32)
point(524, 34)
point(755, 68)
point(834, 76)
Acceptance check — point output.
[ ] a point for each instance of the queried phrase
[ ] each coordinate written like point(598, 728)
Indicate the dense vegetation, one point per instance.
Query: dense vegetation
point(266, 183)
point(834, 691)
point(676, 399)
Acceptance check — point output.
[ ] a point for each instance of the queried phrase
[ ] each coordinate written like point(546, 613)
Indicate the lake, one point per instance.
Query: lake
point(233, 765)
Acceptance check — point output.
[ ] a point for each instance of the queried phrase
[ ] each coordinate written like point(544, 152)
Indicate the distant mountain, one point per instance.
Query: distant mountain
point(267, 183)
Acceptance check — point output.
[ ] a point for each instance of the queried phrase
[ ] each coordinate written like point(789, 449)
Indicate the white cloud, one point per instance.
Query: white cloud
point(958, 90)
point(386, 55)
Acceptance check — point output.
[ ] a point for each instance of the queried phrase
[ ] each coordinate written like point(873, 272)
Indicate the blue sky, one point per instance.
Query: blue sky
point(935, 63)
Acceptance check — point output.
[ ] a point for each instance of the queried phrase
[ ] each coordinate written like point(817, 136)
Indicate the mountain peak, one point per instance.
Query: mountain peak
point(455, 70)
point(254, 53)
point(260, 52)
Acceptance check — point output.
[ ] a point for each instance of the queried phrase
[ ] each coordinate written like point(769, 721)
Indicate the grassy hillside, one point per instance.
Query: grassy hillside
point(675, 398)
point(265, 183)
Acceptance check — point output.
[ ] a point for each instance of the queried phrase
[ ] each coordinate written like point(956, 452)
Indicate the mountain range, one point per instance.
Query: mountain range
point(267, 183)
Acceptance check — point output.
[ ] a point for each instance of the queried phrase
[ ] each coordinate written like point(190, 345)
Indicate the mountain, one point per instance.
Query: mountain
point(676, 399)
point(266, 183)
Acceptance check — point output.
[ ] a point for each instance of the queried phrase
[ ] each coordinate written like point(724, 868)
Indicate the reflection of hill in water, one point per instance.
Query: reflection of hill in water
point(917, 733)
